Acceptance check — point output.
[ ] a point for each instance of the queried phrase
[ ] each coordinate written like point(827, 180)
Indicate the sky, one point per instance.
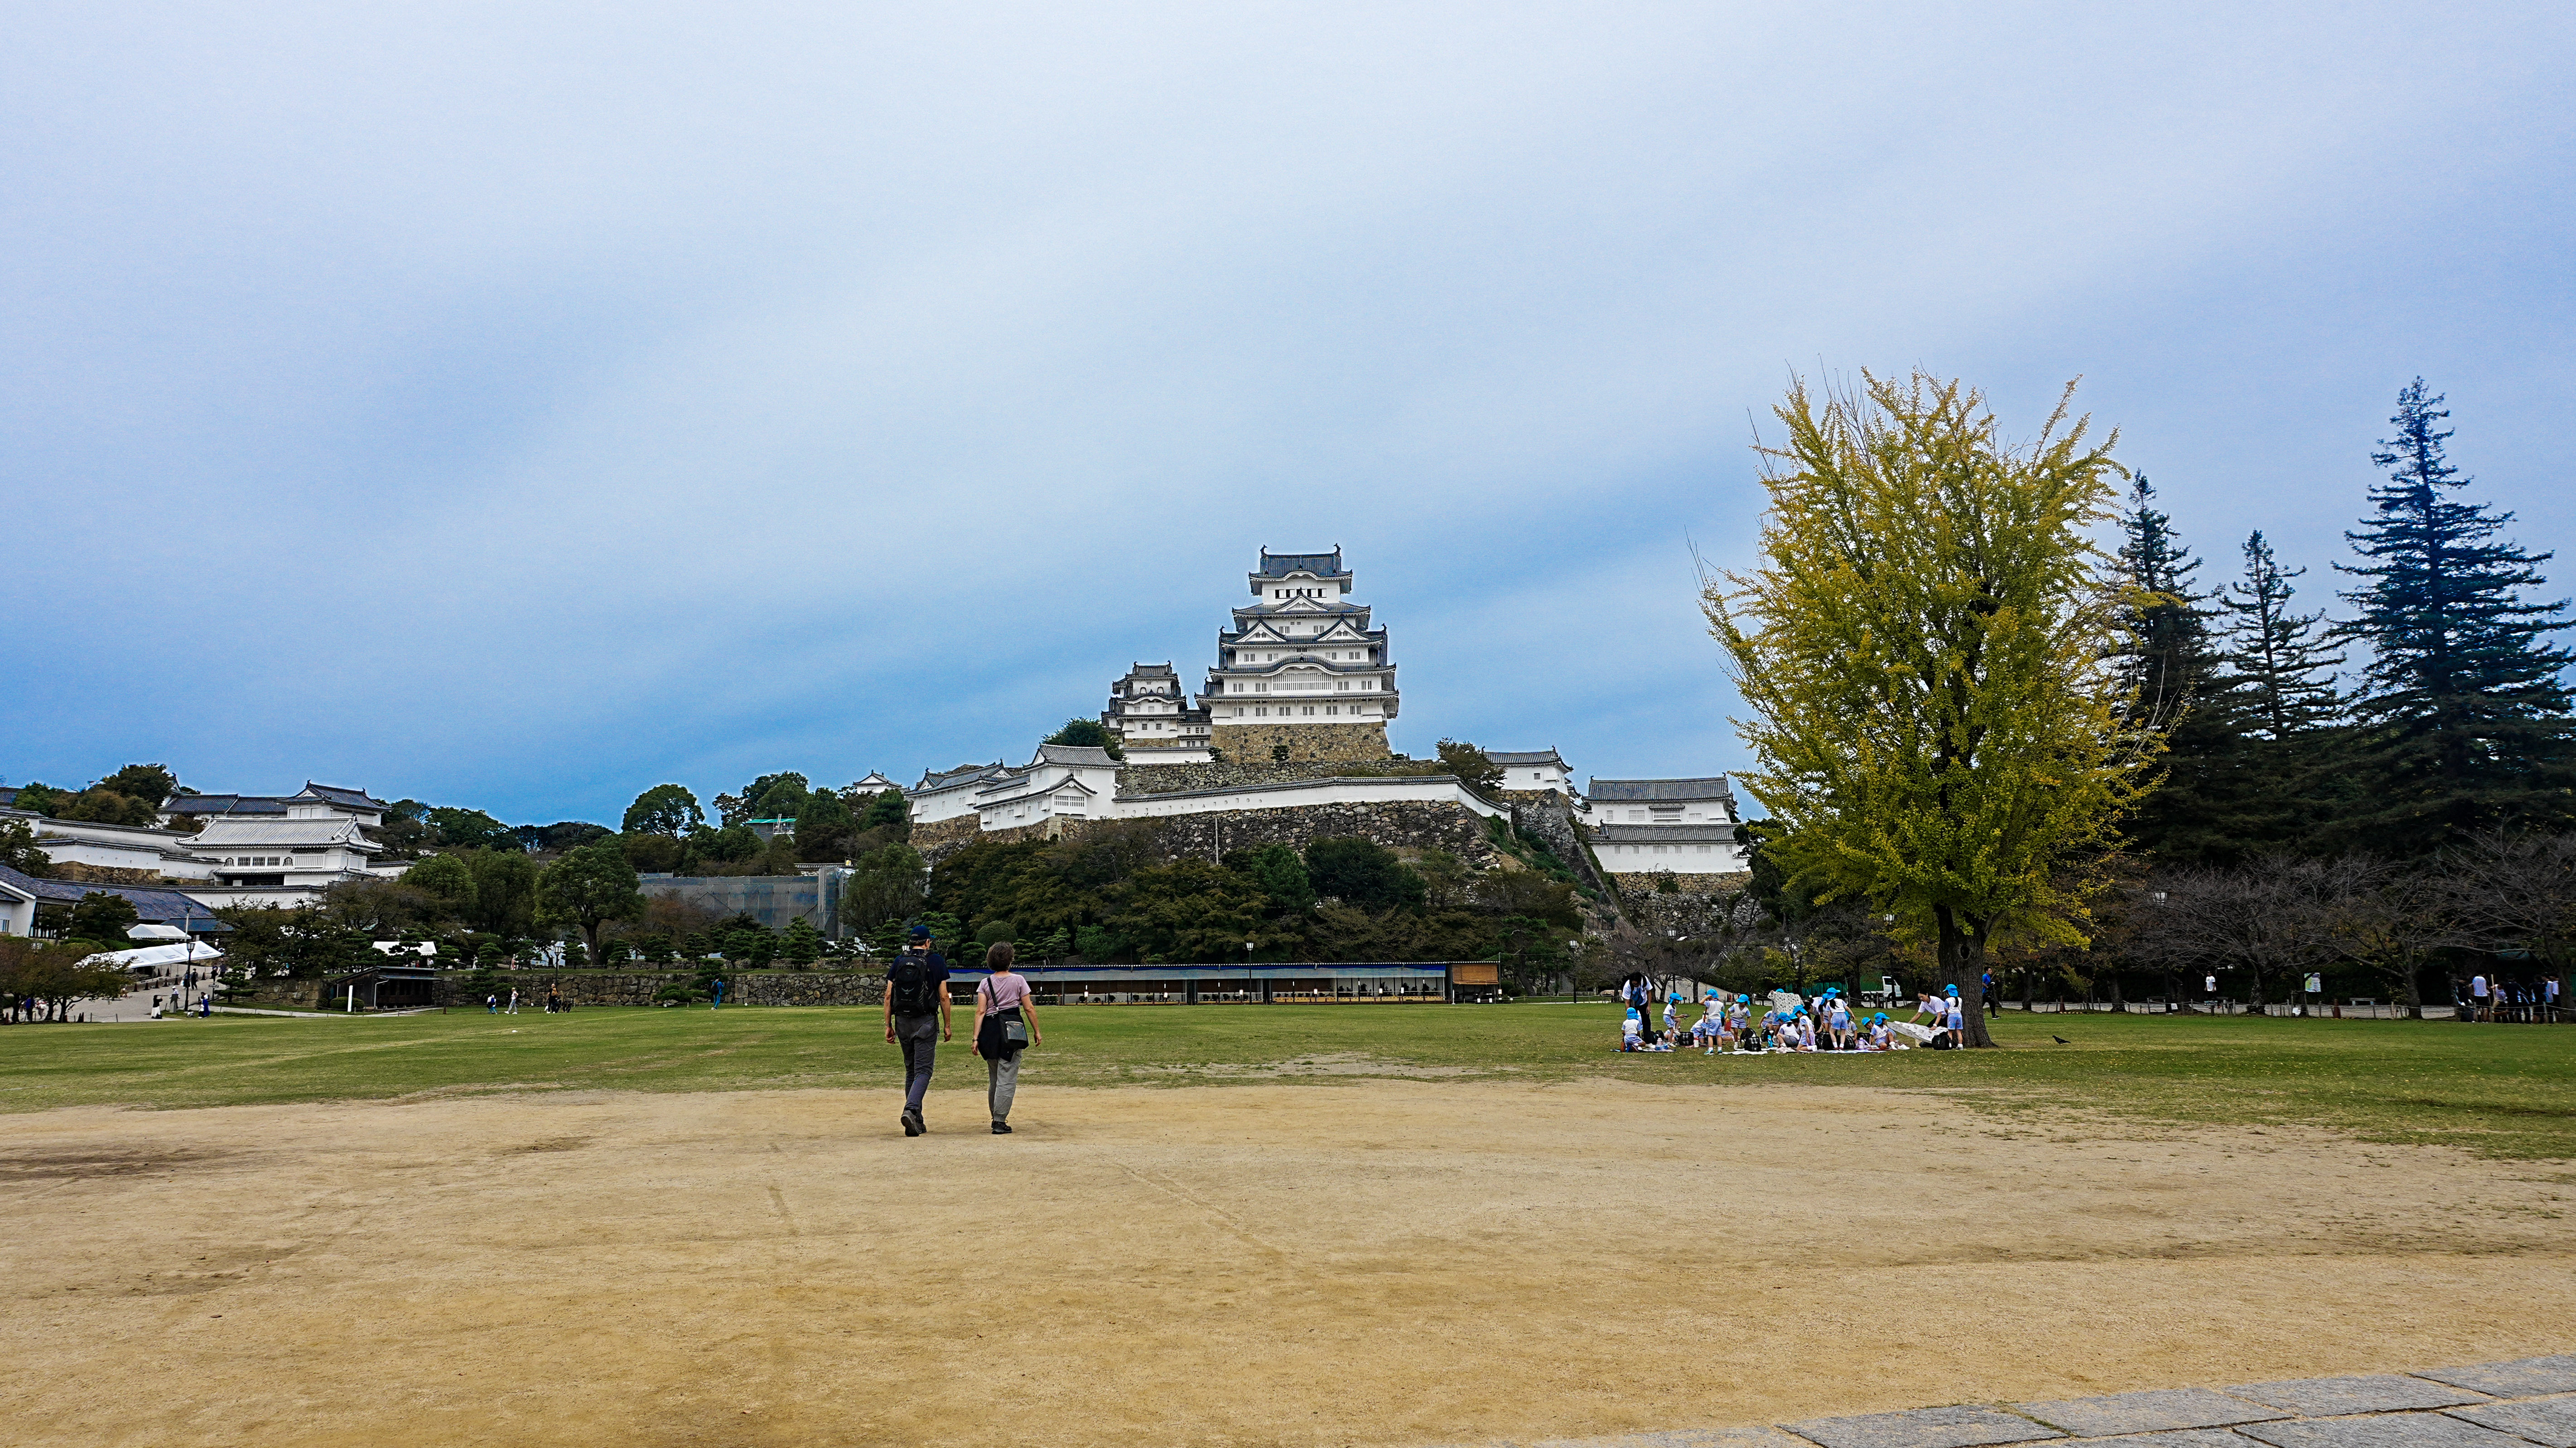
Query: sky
point(520, 405)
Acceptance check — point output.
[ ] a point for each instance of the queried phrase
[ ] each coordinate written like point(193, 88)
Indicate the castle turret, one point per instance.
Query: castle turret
point(1149, 712)
point(1302, 674)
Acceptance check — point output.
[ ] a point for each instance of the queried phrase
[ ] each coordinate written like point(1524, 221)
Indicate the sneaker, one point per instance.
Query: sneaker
point(912, 1125)
point(1001, 1128)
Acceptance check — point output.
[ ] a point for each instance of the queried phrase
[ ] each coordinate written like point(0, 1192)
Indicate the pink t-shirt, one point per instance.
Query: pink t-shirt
point(1004, 991)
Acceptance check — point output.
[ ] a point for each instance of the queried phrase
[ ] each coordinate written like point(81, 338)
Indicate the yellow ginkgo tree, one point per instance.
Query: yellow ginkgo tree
point(1927, 655)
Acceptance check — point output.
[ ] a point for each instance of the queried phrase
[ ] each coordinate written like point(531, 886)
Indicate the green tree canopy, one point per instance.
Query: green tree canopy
point(505, 891)
point(18, 850)
point(469, 829)
point(665, 809)
point(102, 916)
point(1470, 764)
point(1361, 873)
point(151, 783)
point(445, 877)
point(41, 799)
point(589, 887)
point(2464, 719)
point(100, 805)
point(1926, 654)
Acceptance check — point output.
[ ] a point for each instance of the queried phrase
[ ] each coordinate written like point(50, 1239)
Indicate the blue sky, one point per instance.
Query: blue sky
point(521, 405)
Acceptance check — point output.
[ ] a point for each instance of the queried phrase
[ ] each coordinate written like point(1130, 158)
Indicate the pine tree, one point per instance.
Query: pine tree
point(2283, 657)
point(2205, 809)
point(2292, 712)
point(2463, 717)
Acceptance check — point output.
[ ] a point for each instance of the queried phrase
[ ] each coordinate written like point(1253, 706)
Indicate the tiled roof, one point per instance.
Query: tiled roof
point(962, 774)
point(345, 798)
point(1714, 833)
point(151, 907)
point(1280, 565)
point(1525, 756)
point(1669, 790)
point(1073, 754)
point(225, 834)
point(1153, 671)
point(225, 804)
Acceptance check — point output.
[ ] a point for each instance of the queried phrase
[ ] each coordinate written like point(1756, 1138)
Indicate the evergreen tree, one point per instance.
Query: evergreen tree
point(2207, 809)
point(2463, 718)
point(2283, 657)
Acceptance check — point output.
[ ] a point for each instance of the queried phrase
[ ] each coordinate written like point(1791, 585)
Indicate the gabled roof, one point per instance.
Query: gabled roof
point(1032, 792)
point(152, 907)
point(227, 834)
point(345, 798)
point(1526, 757)
point(225, 804)
point(950, 779)
point(1086, 755)
point(1152, 671)
point(1323, 565)
point(1668, 791)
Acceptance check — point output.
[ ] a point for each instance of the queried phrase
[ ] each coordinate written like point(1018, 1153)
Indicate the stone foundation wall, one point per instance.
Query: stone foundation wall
point(1253, 743)
point(1396, 824)
point(944, 837)
point(1548, 815)
point(1643, 882)
point(1176, 778)
point(74, 870)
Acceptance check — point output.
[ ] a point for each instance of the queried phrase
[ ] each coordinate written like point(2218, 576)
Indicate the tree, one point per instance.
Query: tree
point(2463, 720)
point(823, 826)
point(1280, 873)
point(18, 850)
point(2205, 805)
point(589, 887)
point(102, 916)
point(446, 878)
point(2518, 892)
point(469, 829)
point(728, 846)
point(505, 891)
point(887, 884)
point(1087, 734)
point(889, 810)
point(1926, 656)
point(800, 944)
point(1471, 764)
point(151, 783)
point(563, 835)
point(54, 974)
point(665, 809)
point(2284, 658)
point(41, 799)
point(99, 805)
point(1361, 873)
point(774, 797)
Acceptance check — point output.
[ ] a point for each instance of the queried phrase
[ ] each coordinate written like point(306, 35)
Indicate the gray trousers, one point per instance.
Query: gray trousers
point(1002, 1075)
point(919, 1037)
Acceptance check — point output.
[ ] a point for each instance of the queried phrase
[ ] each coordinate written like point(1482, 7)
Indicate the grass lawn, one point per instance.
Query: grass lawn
point(2506, 1091)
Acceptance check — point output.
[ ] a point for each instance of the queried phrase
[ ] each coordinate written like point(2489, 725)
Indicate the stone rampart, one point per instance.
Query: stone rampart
point(1396, 824)
point(1257, 743)
point(1648, 882)
point(1234, 774)
point(945, 837)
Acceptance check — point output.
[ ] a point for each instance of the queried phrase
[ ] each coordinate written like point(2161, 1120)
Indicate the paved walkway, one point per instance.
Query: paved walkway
point(2494, 1405)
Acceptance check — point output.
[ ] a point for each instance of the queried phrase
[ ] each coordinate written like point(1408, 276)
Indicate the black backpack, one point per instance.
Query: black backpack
point(916, 992)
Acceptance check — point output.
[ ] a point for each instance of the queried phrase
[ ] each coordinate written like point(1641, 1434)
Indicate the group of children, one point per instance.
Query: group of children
point(1826, 1022)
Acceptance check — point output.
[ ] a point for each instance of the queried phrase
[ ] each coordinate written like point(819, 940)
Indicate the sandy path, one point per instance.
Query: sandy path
point(1377, 1262)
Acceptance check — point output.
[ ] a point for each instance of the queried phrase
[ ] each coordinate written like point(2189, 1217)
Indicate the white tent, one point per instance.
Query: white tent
point(155, 933)
point(156, 958)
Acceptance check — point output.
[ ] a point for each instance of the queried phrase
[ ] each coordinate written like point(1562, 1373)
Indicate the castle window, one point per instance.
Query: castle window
point(1262, 711)
point(1332, 708)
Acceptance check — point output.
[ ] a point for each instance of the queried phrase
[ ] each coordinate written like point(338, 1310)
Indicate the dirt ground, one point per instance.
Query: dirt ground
point(1377, 1262)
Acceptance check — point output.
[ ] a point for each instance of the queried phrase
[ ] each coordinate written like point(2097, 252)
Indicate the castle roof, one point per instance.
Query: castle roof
point(1666, 790)
point(1525, 756)
point(1070, 754)
point(1717, 833)
point(1280, 565)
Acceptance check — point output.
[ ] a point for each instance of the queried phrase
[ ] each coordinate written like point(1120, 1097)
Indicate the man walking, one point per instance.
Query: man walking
point(916, 1018)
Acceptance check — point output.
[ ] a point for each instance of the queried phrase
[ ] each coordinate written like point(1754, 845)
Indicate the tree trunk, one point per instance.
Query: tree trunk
point(1963, 964)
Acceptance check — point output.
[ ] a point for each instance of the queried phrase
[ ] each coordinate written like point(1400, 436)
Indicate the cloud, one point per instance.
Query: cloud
point(525, 405)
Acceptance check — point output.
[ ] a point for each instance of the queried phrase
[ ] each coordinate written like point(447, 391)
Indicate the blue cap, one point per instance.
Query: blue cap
point(921, 932)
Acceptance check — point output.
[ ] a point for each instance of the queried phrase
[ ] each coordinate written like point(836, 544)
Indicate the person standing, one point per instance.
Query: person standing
point(917, 1019)
point(1006, 1023)
point(2478, 993)
point(514, 1002)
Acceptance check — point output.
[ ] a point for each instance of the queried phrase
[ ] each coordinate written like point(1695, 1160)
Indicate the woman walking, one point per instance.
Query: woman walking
point(1006, 1023)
